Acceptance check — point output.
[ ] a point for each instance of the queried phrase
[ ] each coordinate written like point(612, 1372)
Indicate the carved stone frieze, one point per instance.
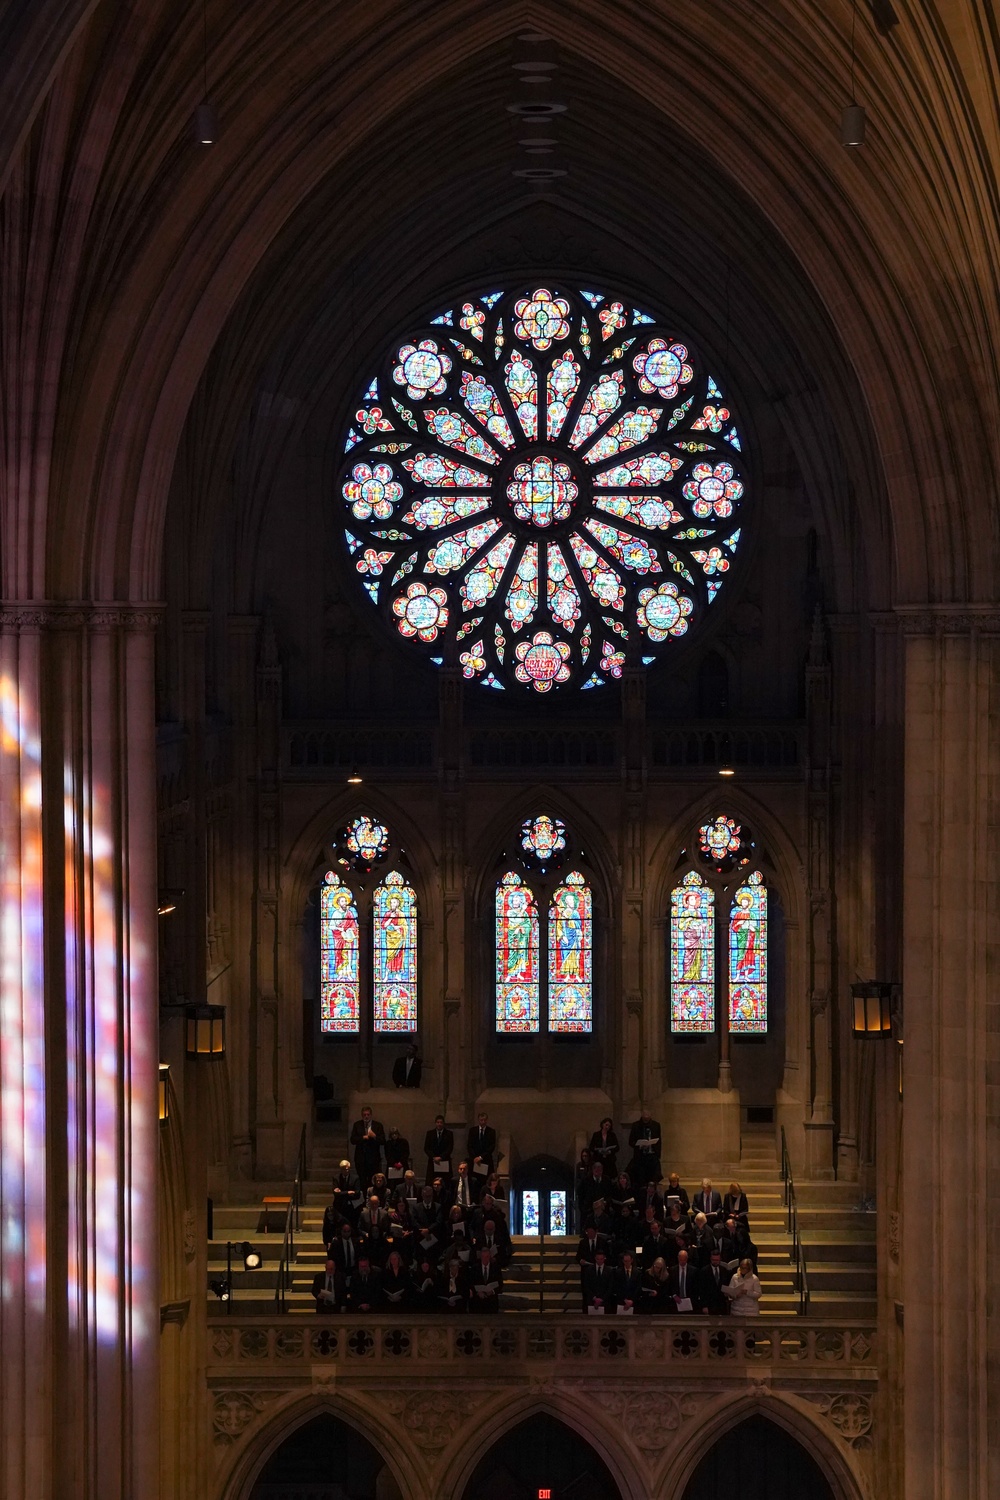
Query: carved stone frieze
point(894, 1236)
point(433, 1417)
point(651, 1416)
point(234, 1412)
point(851, 1413)
point(107, 614)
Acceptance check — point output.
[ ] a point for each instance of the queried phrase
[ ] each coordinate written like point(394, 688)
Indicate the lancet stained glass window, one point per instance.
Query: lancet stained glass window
point(340, 988)
point(692, 956)
point(546, 413)
point(748, 957)
point(395, 955)
point(516, 956)
point(571, 941)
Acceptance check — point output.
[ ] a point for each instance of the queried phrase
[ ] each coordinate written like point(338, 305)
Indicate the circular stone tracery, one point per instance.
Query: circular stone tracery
point(542, 490)
point(542, 487)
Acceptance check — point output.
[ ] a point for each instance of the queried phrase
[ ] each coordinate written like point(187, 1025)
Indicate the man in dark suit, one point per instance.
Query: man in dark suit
point(345, 1252)
point(590, 1243)
point(597, 1284)
point(325, 1290)
point(494, 1238)
point(482, 1151)
point(484, 1284)
point(681, 1282)
point(367, 1138)
point(439, 1143)
point(644, 1138)
point(657, 1245)
point(366, 1288)
point(373, 1229)
point(406, 1070)
point(709, 1297)
point(708, 1201)
point(628, 1282)
point(452, 1287)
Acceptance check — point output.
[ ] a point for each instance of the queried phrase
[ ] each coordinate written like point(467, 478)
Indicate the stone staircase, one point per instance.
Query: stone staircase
point(839, 1242)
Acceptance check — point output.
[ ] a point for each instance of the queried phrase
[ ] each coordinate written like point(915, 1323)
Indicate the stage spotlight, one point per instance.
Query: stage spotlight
point(251, 1257)
point(221, 1288)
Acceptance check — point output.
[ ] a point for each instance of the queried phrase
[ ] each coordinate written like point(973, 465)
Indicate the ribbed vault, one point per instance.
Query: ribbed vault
point(365, 165)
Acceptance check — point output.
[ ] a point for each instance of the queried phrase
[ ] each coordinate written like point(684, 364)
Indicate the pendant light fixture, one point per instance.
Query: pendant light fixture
point(852, 121)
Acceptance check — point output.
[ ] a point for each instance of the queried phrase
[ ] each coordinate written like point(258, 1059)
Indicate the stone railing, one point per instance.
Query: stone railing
point(787, 1348)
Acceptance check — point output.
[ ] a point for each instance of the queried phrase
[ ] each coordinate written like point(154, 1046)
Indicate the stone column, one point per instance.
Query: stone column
point(80, 1303)
point(951, 1108)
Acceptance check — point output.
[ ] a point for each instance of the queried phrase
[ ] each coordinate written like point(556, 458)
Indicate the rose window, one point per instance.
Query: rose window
point(542, 488)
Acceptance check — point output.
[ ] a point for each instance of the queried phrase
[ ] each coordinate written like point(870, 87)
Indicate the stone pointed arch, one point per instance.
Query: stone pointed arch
point(404, 1462)
point(589, 1423)
point(792, 1414)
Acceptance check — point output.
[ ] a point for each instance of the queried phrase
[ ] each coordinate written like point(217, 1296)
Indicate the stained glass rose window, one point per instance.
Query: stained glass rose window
point(542, 487)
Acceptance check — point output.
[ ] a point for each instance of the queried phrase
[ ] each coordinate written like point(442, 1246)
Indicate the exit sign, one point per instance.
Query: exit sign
point(544, 1495)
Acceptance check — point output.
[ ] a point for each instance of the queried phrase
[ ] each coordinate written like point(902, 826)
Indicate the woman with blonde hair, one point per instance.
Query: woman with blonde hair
point(744, 1291)
point(734, 1204)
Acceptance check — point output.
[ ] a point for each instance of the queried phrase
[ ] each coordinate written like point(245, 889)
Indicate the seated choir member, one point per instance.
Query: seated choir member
point(495, 1188)
point(410, 1187)
point(397, 1156)
point(673, 1189)
point(724, 1234)
point(601, 1218)
point(744, 1291)
point(628, 1232)
point(453, 1286)
point(682, 1284)
point(455, 1240)
point(332, 1220)
point(676, 1220)
point(590, 1243)
point(485, 1284)
point(703, 1239)
point(621, 1193)
point(425, 1285)
point(399, 1234)
point(347, 1196)
point(708, 1201)
point(365, 1294)
point(380, 1188)
point(651, 1197)
point(655, 1288)
point(496, 1242)
point(734, 1204)
point(710, 1294)
point(373, 1228)
point(628, 1284)
point(597, 1285)
point(489, 1207)
point(439, 1144)
point(426, 1214)
point(397, 1283)
point(591, 1188)
point(644, 1138)
point(604, 1147)
point(325, 1289)
point(481, 1149)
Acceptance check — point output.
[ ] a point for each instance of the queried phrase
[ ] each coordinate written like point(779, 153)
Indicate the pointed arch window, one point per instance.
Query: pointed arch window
point(748, 957)
point(340, 980)
point(692, 955)
point(571, 945)
point(517, 949)
point(395, 955)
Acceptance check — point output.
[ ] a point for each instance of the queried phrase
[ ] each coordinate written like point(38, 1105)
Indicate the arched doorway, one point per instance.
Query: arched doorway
point(760, 1461)
point(539, 1455)
point(325, 1459)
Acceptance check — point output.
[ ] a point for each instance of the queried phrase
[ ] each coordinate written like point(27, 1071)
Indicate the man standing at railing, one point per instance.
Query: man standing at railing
point(367, 1138)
